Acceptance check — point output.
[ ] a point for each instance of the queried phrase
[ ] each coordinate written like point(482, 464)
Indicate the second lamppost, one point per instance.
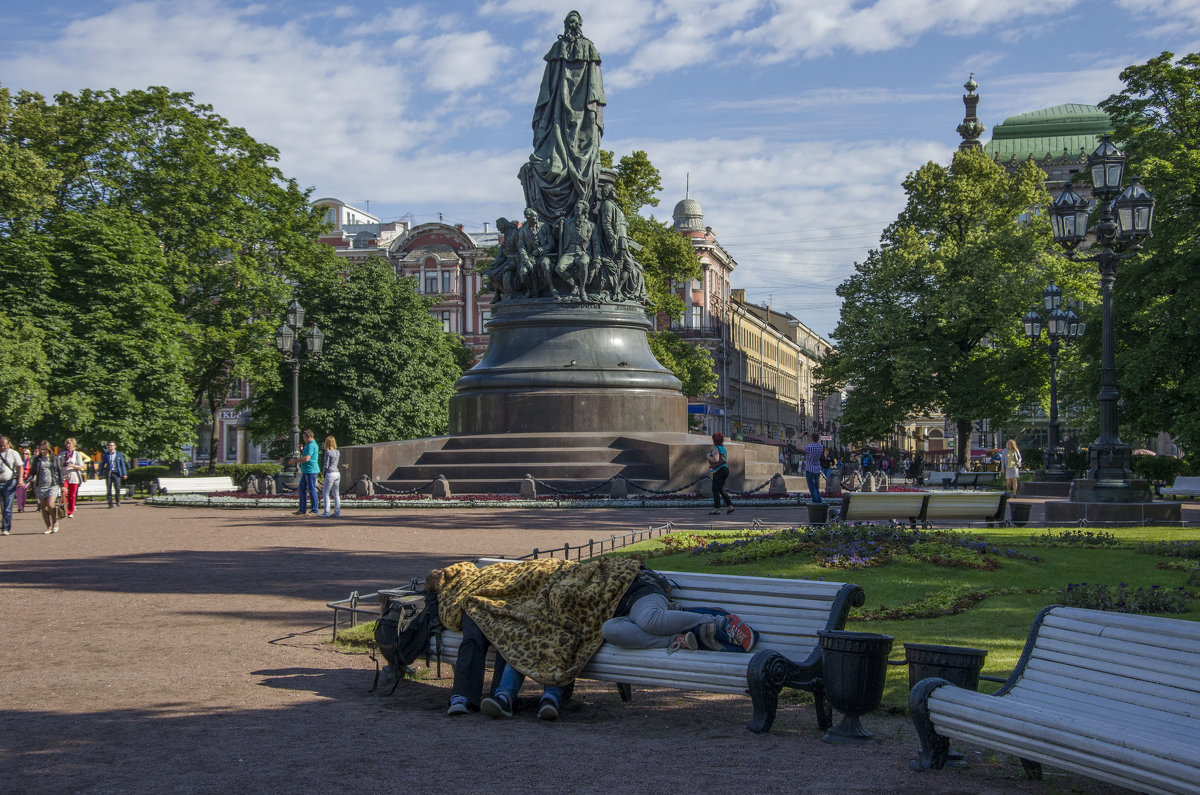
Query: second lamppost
point(294, 341)
point(1063, 328)
point(1124, 222)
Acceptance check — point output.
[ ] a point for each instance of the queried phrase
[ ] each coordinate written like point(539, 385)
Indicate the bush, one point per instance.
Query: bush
point(1122, 599)
point(1159, 468)
point(1031, 458)
point(240, 472)
point(141, 476)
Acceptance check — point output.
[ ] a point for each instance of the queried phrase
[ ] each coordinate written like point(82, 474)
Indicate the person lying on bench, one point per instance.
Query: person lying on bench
point(544, 618)
point(645, 620)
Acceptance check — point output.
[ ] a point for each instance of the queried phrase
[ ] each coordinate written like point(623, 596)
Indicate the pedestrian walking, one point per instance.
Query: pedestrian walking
point(114, 471)
point(718, 470)
point(23, 491)
point(812, 467)
point(333, 477)
point(48, 481)
point(12, 480)
point(72, 467)
point(1012, 466)
point(310, 465)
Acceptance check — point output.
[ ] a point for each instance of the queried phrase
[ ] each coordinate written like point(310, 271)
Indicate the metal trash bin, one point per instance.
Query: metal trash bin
point(956, 664)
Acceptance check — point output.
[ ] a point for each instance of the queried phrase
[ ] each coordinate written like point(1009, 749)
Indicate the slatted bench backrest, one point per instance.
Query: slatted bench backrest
point(195, 485)
point(1117, 666)
point(1185, 483)
point(787, 613)
point(963, 504)
point(893, 505)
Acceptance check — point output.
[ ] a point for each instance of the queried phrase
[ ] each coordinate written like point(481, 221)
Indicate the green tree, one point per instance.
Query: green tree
point(690, 363)
point(387, 371)
point(233, 232)
point(23, 375)
point(930, 320)
point(1157, 120)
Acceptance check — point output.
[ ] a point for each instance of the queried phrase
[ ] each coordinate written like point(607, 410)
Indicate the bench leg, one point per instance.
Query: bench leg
point(766, 676)
point(626, 691)
point(935, 749)
point(1033, 770)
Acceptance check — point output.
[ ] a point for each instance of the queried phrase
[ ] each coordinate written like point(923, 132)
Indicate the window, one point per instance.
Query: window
point(431, 283)
point(697, 285)
point(237, 388)
point(484, 316)
point(231, 445)
point(447, 281)
point(697, 315)
point(447, 323)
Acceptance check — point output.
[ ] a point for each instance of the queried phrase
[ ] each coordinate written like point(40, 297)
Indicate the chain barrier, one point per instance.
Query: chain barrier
point(672, 491)
point(546, 485)
point(752, 491)
point(380, 487)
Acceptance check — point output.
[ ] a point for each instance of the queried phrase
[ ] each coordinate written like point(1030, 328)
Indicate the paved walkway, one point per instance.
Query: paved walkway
point(183, 650)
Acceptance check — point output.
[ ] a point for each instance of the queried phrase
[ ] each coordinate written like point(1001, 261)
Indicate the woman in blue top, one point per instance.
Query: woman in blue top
point(718, 470)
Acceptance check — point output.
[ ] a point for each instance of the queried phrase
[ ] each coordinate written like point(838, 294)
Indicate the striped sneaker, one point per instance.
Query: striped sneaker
point(738, 632)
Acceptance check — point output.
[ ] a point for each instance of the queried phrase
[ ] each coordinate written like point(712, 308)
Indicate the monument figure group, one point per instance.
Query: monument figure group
point(574, 244)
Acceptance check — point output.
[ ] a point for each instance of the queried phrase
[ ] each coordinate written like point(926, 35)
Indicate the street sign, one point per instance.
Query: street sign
point(826, 438)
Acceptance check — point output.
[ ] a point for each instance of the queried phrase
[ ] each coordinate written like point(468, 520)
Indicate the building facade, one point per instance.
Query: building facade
point(764, 359)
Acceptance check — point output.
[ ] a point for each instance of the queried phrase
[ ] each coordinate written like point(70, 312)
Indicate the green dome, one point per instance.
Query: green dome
point(1049, 131)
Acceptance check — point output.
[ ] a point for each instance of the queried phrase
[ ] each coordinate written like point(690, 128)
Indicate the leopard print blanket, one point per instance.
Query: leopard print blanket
point(543, 616)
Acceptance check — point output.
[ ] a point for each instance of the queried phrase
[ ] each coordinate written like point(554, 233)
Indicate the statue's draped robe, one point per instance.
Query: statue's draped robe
point(568, 123)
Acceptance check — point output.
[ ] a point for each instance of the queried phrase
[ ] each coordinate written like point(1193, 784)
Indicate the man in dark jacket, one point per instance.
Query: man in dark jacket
point(114, 471)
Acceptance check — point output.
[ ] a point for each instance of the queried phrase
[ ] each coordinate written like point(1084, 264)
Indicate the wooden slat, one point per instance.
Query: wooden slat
point(1173, 676)
point(1061, 728)
point(1136, 777)
point(1101, 710)
point(1040, 667)
point(1100, 620)
point(1148, 645)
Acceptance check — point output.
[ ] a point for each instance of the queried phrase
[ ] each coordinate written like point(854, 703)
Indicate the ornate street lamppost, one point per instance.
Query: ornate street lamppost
point(1124, 222)
point(1063, 328)
point(292, 340)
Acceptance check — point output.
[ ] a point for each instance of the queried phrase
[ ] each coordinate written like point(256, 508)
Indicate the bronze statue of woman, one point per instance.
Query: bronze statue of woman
point(568, 123)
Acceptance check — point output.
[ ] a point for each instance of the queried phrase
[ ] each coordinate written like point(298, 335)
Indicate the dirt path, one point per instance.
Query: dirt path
point(159, 650)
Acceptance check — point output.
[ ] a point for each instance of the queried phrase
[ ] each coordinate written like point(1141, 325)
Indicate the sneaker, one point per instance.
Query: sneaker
point(547, 709)
point(294, 513)
point(4, 532)
point(336, 514)
point(685, 642)
point(713, 513)
point(325, 513)
point(71, 516)
point(730, 509)
point(738, 632)
point(497, 706)
point(458, 706)
point(47, 531)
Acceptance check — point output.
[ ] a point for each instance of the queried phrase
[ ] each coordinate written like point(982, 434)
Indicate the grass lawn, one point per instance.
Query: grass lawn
point(1031, 566)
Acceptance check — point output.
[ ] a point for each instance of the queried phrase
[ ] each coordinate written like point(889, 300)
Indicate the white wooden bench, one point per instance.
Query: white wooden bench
point(195, 485)
point(1183, 487)
point(96, 487)
point(1111, 696)
point(923, 507)
point(938, 478)
point(787, 613)
point(973, 480)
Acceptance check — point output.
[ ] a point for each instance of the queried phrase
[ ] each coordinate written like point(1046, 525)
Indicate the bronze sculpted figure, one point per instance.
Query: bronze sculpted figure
point(568, 123)
point(575, 240)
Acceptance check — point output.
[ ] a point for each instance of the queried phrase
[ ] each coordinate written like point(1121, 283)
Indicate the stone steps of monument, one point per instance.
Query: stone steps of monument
point(526, 455)
point(506, 471)
point(513, 485)
point(526, 441)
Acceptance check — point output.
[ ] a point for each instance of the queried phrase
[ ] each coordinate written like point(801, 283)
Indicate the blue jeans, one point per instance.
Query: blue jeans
point(308, 488)
point(7, 489)
point(510, 685)
point(814, 485)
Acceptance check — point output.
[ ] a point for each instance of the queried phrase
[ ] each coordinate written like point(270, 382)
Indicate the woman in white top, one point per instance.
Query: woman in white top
point(1012, 466)
point(72, 469)
point(333, 477)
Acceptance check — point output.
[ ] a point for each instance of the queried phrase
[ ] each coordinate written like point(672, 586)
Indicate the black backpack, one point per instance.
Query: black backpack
point(402, 633)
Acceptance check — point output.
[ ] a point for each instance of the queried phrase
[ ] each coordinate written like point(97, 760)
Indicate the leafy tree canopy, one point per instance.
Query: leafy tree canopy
point(189, 213)
point(690, 363)
point(387, 371)
point(1157, 119)
point(930, 320)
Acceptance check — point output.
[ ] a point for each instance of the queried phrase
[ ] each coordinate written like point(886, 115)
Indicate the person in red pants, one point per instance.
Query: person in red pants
point(72, 469)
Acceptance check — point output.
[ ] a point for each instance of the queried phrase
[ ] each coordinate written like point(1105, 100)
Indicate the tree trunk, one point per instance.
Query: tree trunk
point(964, 442)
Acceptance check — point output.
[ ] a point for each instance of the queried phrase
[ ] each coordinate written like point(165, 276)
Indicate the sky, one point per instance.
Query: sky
point(792, 123)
